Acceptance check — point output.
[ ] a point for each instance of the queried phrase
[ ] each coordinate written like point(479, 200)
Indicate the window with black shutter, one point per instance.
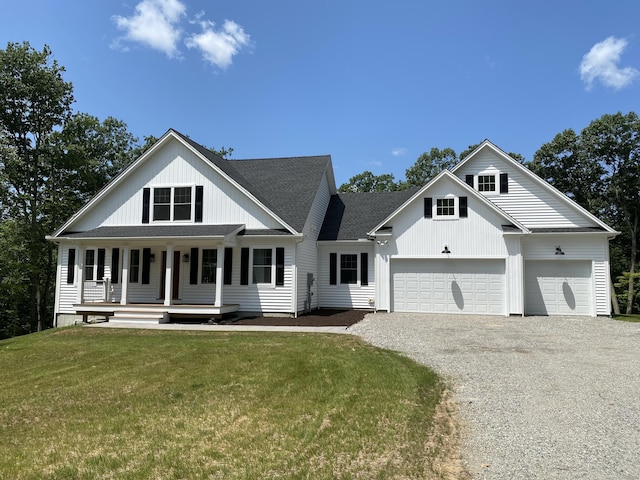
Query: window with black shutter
point(146, 200)
point(71, 266)
point(199, 200)
point(115, 265)
point(364, 268)
point(469, 180)
point(462, 207)
point(428, 207)
point(244, 266)
point(193, 267)
point(228, 265)
point(279, 266)
point(333, 268)
point(504, 183)
point(146, 265)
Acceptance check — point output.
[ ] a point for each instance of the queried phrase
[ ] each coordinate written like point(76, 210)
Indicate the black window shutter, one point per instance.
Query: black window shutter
point(199, 195)
point(244, 266)
point(228, 265)
point(504, 183)
point(71, 265)
point(193, 268)
point(428, 207)
point(279, 266)
point(462, 207)
point(146, 265)
point(146, 198)
point(100, 272)
point(469, 180)
point(333, 268)
point(115, 265)
point(364, 268)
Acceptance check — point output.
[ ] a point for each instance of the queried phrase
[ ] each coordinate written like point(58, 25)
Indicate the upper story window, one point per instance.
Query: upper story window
point(445, 207)
point(172, 203)
point(486, 183)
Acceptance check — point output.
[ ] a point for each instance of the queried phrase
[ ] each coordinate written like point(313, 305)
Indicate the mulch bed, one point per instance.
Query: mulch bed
point(316, 318)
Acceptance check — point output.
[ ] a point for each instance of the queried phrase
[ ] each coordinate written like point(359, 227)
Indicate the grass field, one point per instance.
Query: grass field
point(83, 403)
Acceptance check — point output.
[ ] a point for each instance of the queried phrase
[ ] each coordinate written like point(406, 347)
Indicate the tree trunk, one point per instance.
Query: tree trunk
point(614, 298)
point(632, 266)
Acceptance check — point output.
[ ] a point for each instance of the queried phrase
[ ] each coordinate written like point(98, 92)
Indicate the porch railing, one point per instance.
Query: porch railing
point(97, 290)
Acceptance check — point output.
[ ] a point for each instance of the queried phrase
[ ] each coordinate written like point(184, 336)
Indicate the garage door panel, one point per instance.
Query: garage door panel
point(558, 287)
point(450, 286)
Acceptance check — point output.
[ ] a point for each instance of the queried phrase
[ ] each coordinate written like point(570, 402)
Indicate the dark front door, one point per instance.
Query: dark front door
point(175, 287)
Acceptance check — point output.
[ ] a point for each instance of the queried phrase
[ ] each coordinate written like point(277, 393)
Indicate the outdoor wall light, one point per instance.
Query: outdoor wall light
point(152, 257)
point(559, 251)
point(185, 258)
point(446, 250)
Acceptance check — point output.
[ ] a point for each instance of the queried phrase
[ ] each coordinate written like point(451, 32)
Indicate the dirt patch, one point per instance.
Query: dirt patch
point(316, 318)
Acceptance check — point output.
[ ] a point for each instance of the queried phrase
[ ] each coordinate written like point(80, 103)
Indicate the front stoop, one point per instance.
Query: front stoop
point(139, 315)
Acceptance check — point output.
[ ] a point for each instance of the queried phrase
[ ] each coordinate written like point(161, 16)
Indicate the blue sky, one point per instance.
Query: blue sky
point(373, 83)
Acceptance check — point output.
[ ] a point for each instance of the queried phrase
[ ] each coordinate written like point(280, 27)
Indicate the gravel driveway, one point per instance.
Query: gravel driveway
point(542, 397)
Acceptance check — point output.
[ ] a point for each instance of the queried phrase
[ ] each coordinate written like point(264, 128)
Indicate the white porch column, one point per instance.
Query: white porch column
point(80, 272)
point(219, 276)
point(168, 277)
point(124, 293)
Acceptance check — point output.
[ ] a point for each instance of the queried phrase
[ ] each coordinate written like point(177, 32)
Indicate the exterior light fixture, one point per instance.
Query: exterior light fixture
point(559, 251)
point(185, 258)
point(152, 257)
point(446, 250)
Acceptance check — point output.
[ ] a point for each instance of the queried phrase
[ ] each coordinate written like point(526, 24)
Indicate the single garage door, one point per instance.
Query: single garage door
point(448, 286)
point(558, 287)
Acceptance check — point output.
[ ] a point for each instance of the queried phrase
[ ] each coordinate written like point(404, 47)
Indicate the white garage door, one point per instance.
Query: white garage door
point(558, 288)
point(448, 286)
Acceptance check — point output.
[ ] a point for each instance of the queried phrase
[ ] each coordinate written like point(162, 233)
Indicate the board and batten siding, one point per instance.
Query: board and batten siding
point(594, 248)
point(479, 235)
point(307, 251)
point(514, 273)
point(175, 165)
point(527, 200)
point(346, 295)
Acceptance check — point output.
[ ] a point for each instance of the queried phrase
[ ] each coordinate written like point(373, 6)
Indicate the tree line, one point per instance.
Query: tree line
point(53, 160)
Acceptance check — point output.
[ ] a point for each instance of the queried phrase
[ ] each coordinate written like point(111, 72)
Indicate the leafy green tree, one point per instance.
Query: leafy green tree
point(430, 164)
point(368, 182)
point(35, 101)
point(614, 141)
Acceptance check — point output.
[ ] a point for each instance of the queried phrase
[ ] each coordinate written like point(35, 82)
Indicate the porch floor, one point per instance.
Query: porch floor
point(151, 312)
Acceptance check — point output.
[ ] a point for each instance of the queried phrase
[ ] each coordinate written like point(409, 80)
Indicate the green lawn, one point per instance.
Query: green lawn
point(628, 318)
point(88, 403)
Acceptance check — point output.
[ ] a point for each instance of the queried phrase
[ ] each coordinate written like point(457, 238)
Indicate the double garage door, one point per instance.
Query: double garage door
point(448, 286)
point(558, 287)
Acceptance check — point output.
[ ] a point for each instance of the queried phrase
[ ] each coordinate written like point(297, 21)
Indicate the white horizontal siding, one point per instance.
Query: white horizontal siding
point(68, 293)
point(527, 201)
point(514, 276)
point(175, 165)
point(602, 290)
point(307, 251)
point(345, 295)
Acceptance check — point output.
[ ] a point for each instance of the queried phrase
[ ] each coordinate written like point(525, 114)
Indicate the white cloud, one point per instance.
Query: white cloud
point(219, 46)
point(155, 24)
point(601, 63)
point(399, 152)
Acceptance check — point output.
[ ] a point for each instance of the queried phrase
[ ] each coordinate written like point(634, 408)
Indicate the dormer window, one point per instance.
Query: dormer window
point(486, 183)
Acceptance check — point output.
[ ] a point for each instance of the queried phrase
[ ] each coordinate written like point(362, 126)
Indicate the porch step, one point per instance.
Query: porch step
point(139, 316)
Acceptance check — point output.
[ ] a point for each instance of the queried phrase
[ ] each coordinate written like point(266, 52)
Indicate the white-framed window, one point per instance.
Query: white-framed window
point(90, 264)
point(134, 266)
point(348, 268)
point(209, 265)
point(262, 266)
point(486, 183)
point(446, 207)
point(172, 204)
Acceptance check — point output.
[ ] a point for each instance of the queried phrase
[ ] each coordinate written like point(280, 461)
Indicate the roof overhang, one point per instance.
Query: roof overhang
point(154, 232)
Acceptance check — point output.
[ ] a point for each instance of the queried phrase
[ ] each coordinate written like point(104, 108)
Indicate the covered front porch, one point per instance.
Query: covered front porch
point(150, 312)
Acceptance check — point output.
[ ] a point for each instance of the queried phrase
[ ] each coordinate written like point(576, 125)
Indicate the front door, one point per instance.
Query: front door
point(175, 287)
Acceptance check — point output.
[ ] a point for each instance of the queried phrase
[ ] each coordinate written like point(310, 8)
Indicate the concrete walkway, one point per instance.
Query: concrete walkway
point(219, 328)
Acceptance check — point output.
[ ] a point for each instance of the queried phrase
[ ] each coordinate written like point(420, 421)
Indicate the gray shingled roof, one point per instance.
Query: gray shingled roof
point(351, 215)
point(287, 186)
point(156, 231)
